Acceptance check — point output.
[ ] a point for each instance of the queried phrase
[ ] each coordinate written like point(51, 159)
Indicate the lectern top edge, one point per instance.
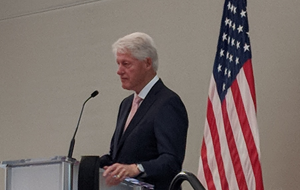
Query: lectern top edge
point(37, 161)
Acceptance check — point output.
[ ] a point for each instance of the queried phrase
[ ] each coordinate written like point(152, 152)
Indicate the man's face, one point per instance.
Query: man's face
point(132, 72)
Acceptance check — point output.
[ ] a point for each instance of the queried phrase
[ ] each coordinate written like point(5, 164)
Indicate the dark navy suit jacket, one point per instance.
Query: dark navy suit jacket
point(155, 137)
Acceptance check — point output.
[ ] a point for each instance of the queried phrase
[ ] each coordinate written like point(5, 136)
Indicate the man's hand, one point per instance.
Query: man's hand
point(116, 173)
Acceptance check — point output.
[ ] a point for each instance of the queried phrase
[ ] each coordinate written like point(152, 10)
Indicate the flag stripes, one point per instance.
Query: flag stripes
point(241, 165)
point(230, 153)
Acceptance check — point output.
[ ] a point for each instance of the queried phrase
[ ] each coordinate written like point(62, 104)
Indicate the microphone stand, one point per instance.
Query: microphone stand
point(72, 143)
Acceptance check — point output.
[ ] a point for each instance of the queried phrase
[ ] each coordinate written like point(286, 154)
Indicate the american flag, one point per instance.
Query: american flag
point(230, 153)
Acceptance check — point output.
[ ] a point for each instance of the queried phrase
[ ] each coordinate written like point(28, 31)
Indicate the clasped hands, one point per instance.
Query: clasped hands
point(116, 173)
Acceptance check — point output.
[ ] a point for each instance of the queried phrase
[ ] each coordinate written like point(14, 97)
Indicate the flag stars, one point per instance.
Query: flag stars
point(246, 47)
point(237, 45)
point(233, 27)
point(237, 60)
point(240, 29)
point(221, 53)
point(224, 37)
point(219, 68)
point(243, 13)
point(232, 42)
point(233, 9)
point(229, 74)
point(230, 58)
point(230, 24)
point(229, 5)
point(227, 21)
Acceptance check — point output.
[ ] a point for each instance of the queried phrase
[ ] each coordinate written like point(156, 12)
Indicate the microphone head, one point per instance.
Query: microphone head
point(95, 93)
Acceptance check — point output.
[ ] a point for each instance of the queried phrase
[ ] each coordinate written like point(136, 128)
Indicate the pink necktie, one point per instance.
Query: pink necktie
point(135, 104)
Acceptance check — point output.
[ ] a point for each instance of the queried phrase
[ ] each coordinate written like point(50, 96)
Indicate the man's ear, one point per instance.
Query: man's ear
point(149, 62)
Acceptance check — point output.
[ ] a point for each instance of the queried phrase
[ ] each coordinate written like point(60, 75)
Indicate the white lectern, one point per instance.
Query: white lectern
point(56, 173)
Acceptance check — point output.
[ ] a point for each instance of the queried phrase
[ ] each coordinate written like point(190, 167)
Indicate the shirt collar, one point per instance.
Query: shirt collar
point(148, 87)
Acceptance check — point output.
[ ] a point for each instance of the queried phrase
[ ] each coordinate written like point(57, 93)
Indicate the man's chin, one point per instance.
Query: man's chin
point(125, 87)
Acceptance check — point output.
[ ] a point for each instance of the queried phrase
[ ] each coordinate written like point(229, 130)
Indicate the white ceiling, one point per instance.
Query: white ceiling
point(16, 8)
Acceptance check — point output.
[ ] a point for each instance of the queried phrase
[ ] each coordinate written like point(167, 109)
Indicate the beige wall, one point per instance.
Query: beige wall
point(53, 54)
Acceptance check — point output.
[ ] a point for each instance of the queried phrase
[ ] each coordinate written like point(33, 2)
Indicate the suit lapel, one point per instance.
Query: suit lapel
point(123, 114)
point(142, 110)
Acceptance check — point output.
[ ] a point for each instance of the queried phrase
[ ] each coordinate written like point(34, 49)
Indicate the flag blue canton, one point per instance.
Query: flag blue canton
point(233, 45)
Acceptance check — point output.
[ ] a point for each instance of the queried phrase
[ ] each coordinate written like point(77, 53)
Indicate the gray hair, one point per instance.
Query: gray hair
point(140, 45)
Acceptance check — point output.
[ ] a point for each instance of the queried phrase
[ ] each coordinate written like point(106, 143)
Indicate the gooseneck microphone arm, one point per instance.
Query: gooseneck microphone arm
point(72, 143)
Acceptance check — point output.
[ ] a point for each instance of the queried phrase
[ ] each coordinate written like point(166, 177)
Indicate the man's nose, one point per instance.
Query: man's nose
point(120, 70)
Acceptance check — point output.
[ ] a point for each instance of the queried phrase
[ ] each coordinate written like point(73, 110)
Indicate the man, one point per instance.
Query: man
point(150, 146)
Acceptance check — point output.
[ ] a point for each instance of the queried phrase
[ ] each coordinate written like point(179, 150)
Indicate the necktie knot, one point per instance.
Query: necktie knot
point(137, 100)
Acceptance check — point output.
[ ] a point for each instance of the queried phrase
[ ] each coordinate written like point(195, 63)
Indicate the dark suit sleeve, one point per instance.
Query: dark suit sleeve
point(170, 127)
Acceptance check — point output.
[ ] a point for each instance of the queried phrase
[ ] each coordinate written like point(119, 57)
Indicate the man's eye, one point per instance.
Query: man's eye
point(126, 64)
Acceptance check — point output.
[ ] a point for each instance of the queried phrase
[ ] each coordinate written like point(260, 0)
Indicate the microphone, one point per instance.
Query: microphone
point(72, 143)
